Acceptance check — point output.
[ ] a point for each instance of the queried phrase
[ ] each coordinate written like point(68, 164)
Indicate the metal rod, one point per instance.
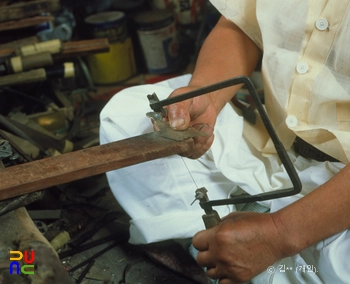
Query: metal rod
point(85, 271)
point(116, 238)
point(199, 92)
point(88, 260)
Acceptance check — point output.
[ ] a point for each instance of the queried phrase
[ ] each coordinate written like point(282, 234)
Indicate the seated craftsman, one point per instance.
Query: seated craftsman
point(306, 74)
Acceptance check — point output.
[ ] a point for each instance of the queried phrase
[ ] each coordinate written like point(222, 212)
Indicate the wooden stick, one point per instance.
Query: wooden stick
point(40, 174)
point(19, 64)
point(36, 75)
point(72, 48)
point(24, 23)
point(84, 47)
point(31, 76)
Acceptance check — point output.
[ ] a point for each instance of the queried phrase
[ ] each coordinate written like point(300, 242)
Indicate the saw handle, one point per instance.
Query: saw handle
point(211, 220)
point(211, 217)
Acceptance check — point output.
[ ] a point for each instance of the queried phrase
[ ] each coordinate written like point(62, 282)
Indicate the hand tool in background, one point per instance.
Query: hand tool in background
point(212, 218)
point(79, 232)
point(35, 137)
point(34, 55)
point(19, 64)
point(56, 48)
point(24, 63)
point(29, 56)
point(65, 70)
point(53, 46)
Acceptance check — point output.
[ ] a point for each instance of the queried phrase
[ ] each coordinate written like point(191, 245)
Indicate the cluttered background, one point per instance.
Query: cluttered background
point(60, 62)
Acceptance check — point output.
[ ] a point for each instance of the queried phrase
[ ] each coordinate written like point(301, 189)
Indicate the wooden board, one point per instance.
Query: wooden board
point(25, 23)
point(84, 47)
point(41, 174)
point(27, 9)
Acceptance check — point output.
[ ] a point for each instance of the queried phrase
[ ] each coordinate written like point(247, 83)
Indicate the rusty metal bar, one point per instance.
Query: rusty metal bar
point(41, 174)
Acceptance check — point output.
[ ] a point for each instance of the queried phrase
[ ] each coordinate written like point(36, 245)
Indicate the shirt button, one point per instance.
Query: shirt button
point(302, 67)
point(291, 121)
point(322, 24)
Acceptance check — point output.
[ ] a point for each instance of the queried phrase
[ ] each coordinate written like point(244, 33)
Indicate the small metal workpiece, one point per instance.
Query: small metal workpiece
point(211, 217)
point(5, 149)
point(153, 99)
point(6, 152)
point(165, 130)
point(201, 195)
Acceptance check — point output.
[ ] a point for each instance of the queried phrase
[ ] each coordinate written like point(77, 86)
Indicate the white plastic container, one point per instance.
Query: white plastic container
point(158, 38)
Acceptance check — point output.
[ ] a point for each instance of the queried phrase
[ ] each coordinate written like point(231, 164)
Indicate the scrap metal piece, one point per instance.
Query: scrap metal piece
point(5, 149)
point(158, 117)
point(166, 131)
point(19, 155)
point(154, 99)
point(6, 152)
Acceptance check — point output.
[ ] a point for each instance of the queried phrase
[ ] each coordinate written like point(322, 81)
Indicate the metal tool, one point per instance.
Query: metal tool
point(5, 149)
point(6, 152)
point(201, 195)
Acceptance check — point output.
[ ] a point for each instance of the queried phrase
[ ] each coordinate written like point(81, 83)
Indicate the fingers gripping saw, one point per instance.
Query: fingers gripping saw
point(211, 217)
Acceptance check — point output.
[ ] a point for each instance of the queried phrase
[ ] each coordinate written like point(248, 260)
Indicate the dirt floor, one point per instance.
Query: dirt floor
point(126, 263)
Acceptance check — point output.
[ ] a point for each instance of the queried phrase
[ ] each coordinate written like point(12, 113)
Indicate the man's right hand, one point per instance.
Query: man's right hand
point(243, 245)
point(199, 113)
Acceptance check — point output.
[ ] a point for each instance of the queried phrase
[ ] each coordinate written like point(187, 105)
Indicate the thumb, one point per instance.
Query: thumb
point(178, 114)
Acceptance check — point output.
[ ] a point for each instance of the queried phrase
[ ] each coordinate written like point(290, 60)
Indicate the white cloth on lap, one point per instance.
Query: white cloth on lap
point(157, 194)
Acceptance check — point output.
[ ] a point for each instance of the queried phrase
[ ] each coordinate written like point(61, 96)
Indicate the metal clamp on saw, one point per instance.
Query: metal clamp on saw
point(212, 218)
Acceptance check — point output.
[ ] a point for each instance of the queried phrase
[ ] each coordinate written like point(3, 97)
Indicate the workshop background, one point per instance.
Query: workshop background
point(60, 62)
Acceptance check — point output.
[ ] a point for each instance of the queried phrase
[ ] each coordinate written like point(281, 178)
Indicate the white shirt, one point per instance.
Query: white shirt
point(305, 68)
